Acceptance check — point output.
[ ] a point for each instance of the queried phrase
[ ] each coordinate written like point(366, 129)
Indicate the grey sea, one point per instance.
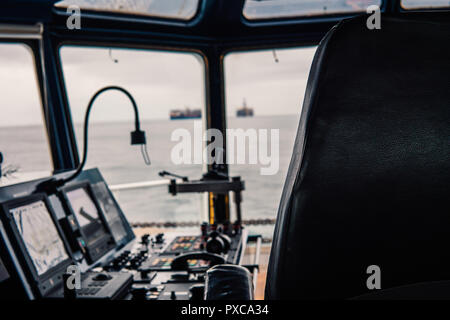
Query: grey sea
point(110, 151)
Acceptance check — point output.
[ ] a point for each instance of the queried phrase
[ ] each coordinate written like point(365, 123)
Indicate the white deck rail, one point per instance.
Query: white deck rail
point(140, 185)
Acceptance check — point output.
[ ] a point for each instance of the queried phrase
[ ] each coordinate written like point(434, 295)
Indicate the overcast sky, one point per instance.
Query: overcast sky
point(159, 81)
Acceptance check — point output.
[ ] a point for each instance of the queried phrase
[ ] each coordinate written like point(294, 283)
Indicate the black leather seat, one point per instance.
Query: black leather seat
point(369, 180)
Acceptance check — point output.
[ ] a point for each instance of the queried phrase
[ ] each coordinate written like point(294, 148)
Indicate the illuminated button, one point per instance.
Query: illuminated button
point(192, 262)
point(155, 262)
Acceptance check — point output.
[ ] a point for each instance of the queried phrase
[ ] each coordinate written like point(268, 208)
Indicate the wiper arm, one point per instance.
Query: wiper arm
point(166, 173)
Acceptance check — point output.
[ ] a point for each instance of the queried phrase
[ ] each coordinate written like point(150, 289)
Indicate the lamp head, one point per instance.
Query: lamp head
point(138, 137)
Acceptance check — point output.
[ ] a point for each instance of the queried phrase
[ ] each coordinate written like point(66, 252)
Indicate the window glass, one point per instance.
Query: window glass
point(425, 4)
point(264, 93)
point(23, 139)
point(163, 84)
point(177, 9)
point(269, 9)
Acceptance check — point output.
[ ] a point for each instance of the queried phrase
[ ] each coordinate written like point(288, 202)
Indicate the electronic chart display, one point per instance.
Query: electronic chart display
point(111, 211)
point(40, 236)
point(97, 238)
point(84, 207)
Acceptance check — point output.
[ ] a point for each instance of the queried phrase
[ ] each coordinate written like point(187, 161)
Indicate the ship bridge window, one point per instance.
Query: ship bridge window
point(23, 139)
point(264, 98)
point(169, 91)
point(173, 9)
point(425, 4)
point(275, 9)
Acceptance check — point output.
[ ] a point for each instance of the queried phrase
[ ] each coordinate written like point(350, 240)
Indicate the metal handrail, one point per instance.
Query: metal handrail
point(178, 224)
point(141, 185)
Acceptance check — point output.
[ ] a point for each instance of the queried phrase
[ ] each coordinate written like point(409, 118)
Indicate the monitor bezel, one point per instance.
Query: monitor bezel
point(86, 185)
point(50, 279)
point(129, 236)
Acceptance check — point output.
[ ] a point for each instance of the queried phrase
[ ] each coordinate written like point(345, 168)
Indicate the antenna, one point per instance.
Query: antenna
point(111, 57)
point(275, 56)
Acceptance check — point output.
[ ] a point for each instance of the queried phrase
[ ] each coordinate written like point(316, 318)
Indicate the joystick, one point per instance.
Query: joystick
point(145, 239)
point(159, 238)
point(217, 242)
point(102, 277)
point(140, 292)
point(145, 274)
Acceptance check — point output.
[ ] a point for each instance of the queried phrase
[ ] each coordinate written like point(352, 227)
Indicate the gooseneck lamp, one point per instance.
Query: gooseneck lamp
point(137, 138)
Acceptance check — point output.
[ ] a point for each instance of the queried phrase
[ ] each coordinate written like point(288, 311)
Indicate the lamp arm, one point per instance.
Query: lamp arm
point(86, 126)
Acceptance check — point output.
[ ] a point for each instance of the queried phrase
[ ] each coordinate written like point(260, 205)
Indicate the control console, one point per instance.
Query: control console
point(79, 235)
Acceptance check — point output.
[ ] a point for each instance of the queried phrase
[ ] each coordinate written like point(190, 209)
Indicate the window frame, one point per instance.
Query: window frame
point(304, 19)
point(33, 45)
point(422, 9)
point(96, 44)
point(139, 18)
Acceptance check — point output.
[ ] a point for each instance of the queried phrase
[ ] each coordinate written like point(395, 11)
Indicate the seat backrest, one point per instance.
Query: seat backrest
point(369, 180)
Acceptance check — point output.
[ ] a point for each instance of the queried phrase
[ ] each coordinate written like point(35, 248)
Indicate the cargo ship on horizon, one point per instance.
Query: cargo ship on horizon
point(187, 113)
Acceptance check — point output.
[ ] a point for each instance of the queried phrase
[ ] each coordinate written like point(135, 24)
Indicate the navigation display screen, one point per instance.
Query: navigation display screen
point(85, 210)
point(97, 237)
point(112, 215)
point(40, 236)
